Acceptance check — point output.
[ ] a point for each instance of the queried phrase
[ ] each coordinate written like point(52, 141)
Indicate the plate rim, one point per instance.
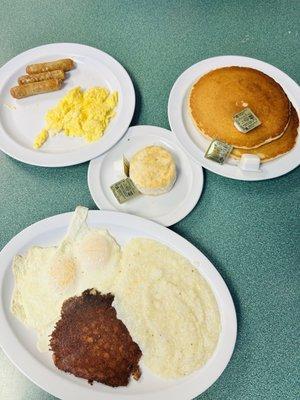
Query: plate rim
point(53, 160)
point(60, 387)
point(101, 201)
point(184, 81)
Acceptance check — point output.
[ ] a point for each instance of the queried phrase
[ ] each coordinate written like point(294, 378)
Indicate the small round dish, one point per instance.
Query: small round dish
point(166, 209)
point(196, 144)
point(21, 120)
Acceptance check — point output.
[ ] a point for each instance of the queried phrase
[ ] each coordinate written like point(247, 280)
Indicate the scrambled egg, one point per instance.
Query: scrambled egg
point(85, 114)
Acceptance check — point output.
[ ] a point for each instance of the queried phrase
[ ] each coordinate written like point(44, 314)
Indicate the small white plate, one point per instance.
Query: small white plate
point(18, 342)
point(166, 209)
point(21, 120)
point(196, 145)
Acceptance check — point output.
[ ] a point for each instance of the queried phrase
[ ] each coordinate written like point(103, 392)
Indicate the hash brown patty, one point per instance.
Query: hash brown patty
point(90, 342)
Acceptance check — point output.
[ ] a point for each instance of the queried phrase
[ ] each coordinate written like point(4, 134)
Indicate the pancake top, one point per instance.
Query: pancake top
point(217, 96)
point(277, 147)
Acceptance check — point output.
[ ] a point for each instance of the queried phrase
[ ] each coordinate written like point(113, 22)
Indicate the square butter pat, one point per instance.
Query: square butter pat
point(118, 167)
point(249, 162)
point(121, 167)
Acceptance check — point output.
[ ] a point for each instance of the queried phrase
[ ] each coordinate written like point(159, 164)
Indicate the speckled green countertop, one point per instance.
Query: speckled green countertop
point(250, 231)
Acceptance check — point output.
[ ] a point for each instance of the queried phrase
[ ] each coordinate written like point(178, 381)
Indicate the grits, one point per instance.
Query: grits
point(168, 308)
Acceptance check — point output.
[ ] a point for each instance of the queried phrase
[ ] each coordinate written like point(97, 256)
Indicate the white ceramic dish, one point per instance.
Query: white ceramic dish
point(19, 343)
point(166, 209)
point(195, 144)
point(21, 120)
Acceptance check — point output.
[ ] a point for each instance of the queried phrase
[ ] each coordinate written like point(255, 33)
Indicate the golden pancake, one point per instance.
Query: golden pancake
point(217, 96)
point(277, 147)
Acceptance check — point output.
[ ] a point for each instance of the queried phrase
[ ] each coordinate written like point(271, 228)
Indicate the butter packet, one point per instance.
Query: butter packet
point(218, 151)
point(246, 120)
point(124, 190)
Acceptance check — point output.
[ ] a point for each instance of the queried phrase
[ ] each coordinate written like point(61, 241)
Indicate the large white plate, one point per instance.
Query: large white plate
point(21, 120)
point(195, 144)
point(19, 343)
point(166, 209)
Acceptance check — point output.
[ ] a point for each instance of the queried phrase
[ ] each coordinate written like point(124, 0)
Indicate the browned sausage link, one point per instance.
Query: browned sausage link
point(18, 92)
point(43, 76)
point(64, 64)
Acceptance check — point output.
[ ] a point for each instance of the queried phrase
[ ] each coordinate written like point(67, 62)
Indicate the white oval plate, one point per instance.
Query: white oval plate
point(18, 342)
point(195, 144)
point(166, 209)
point(21, 120)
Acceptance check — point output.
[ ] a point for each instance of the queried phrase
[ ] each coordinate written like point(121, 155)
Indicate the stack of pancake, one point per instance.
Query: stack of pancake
point(217, 96)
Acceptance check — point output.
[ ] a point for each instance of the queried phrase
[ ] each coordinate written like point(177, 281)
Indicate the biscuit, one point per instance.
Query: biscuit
point(153, 170)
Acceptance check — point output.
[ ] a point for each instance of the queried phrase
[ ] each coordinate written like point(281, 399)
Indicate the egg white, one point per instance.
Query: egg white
point(45, 277)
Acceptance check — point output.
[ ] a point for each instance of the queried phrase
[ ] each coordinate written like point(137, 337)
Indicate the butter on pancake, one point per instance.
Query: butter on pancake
point(153, 170)
point(217, 96)
point(277, 147)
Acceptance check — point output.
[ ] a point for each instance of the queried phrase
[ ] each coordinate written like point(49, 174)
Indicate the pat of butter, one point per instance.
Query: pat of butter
point(249, 162)
point(118, 166)
point(121, 166)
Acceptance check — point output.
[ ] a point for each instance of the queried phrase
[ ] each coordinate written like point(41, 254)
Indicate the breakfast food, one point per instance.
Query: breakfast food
point(65, 64)
point(100, 310)
point(222, 93)
point(277, 147)
point(80, 113)
point(90, 342)
point(168, 308)
point(153, 170)
point(43, 76)
point(30, 89)
point(45, 277)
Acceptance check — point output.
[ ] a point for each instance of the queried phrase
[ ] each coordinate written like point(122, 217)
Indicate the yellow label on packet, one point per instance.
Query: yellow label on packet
point(124, 190)
point(218, 151)
point(246, 120)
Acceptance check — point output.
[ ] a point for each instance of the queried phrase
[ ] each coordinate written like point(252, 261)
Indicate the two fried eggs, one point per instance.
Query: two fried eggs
point(46, 276)
point(168, 308)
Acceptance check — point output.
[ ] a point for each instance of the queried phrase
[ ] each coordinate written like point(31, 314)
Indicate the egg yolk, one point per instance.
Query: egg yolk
point(63, 272)
point(94, 251)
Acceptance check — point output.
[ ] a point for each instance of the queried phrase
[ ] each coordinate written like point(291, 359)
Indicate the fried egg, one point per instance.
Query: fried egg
point(45, 277)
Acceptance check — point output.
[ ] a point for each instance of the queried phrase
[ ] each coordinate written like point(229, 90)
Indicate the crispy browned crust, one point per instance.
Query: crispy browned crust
point(64, 64)
point(43, 76)
point(90, 342)
point(31, 89)
point(277, 147)
point(223, 92)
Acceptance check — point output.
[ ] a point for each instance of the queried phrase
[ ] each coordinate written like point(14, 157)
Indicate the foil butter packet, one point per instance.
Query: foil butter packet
point(246, 120)
point(218, 151)
point(124, 190)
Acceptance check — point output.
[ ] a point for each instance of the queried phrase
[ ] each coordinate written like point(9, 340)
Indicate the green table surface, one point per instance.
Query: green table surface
point(249, 230)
